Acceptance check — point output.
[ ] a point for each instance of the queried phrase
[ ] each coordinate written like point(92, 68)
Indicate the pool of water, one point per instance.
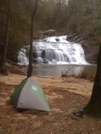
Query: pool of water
point(58, 70)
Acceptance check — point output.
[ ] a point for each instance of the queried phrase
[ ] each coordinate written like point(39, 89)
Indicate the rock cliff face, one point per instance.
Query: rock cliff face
point(91, 51)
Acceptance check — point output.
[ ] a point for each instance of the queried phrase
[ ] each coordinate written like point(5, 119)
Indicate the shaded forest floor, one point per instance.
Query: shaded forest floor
point(64, 95)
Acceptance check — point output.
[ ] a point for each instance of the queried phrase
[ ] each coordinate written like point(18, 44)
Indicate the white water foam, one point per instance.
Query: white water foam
point(55, 50)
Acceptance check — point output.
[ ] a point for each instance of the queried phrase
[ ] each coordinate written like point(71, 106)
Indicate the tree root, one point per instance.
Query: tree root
point(4, 72)
point(93, 110)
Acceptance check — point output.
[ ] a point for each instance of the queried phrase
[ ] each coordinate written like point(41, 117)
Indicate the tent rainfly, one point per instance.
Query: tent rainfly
point(29, 95)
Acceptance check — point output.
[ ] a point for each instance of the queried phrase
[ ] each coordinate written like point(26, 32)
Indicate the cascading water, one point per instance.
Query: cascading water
point(22, 59)
point(57, 50)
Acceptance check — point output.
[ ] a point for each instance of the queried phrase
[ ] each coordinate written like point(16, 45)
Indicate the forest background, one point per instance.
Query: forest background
point(72, 17)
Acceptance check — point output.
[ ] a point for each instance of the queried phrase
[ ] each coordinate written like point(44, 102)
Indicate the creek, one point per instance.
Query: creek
point(59, 70)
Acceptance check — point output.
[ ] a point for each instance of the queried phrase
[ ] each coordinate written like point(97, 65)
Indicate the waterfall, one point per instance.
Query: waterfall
point(22, 58)
point(57, 50)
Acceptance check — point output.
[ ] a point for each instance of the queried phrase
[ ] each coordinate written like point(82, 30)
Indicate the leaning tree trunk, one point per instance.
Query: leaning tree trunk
point(4, 50)
point(94, 105)
point(29, 72)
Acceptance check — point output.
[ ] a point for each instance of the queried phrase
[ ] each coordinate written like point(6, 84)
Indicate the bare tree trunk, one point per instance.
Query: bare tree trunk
point(94, 105)
point(29, 72)
point(4, 51)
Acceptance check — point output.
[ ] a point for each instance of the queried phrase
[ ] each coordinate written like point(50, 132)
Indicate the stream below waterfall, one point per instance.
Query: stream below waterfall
point(58, 70)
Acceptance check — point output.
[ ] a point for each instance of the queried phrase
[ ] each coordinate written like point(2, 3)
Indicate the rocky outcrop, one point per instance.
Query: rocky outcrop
point(49, 32)
point(91, 51)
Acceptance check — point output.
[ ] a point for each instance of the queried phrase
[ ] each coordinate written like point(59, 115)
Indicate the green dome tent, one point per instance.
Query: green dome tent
point(29, 95)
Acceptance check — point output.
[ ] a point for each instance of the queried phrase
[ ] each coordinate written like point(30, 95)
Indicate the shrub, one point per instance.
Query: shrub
point(88, 73)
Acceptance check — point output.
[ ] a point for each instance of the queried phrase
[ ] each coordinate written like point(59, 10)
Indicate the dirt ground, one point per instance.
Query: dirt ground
point(65, 95)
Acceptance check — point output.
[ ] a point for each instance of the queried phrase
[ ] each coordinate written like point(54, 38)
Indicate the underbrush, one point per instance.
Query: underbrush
point(87, 73)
